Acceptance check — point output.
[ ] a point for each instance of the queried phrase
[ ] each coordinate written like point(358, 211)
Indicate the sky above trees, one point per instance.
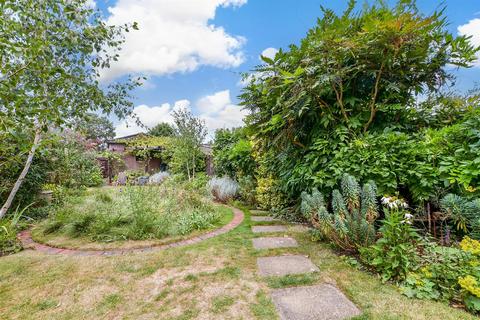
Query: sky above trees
point(193, 51)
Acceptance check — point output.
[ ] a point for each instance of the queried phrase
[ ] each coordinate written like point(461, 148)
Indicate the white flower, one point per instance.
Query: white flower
point(408, 218)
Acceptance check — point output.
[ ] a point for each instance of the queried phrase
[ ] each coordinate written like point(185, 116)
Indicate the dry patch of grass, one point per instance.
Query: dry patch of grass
point(215, 279)
point(211, 280)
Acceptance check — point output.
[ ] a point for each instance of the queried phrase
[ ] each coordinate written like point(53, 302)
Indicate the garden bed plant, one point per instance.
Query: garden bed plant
point(393, 248)
point(132, 216)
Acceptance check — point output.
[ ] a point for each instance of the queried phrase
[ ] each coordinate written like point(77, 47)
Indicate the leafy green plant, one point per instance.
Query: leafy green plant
point(9, 227)
point(74, 48)
point(448, 274)
point(438, 278)
point(350, 225)
point(394, 255)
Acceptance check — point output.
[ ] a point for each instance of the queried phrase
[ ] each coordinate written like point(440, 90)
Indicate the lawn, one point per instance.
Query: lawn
point(215, 279)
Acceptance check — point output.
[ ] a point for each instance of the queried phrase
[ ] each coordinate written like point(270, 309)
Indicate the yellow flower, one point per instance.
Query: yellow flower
point(470, 245)
point(470, 284)
point(470, 189)
point(426, 272)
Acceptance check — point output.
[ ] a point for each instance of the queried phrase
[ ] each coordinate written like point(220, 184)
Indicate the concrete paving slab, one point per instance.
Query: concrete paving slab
point(320, 302)
point(262, 218)
point(285, 265)
point(259, 212)
point(260, 229)
point(274, 242)
point(299, 228)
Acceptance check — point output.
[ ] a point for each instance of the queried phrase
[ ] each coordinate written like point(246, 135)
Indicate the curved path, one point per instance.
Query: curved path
point(27, 241)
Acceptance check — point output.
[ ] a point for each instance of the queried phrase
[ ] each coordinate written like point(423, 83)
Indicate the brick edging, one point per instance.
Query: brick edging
point(25, 238)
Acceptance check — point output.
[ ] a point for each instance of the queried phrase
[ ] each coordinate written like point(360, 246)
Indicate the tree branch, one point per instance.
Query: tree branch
point(373, 109)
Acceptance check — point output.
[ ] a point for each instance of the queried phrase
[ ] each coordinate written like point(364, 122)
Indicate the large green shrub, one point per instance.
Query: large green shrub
point(232, 153)
point(337, 103)
point(73, 161)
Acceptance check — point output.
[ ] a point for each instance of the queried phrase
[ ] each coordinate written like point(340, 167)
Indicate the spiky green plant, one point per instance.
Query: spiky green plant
point(463, 214)
point(351, 192)
point(369, 201)
point(310, 202)
point(354, 210)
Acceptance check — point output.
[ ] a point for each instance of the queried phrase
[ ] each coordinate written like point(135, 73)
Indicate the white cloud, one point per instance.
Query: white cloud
point(214, 103)
point(217, 110)
point(223, 113)
point(269, 53)
point(148, 116)
point(173, 36)
point(472, 28)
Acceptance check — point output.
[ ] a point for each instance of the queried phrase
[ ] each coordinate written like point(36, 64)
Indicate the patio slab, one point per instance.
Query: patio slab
point(285, 265)
point(274, 242)
point(259, 212)
point(320, 302)
point(260, 229)
point(262, 218)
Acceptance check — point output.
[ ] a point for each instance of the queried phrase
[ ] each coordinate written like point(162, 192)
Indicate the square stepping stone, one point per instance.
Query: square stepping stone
point(321, 302)
point(259, 212)
point(262, 218)
point(285, 265)
point(274, 242)
point(260, 229)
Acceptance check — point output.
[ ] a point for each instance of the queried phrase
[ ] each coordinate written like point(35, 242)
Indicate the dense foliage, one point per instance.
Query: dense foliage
point(95, 128)
point(364, 94)
point(162, 129)
point(52, 54)
point(346, 100)
point(232, 151)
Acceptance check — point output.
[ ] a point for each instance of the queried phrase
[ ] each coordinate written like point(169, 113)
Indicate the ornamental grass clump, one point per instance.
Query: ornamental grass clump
point(131, 213)
point(350, 225)
point(223, 189)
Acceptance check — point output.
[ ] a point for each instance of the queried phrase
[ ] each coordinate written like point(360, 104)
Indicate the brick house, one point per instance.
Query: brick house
point(152, 165)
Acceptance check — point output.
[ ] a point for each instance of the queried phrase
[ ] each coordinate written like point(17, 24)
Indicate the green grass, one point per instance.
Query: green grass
point(130, 213)
point(292, 280)
point(221, 303)
point(214, 279)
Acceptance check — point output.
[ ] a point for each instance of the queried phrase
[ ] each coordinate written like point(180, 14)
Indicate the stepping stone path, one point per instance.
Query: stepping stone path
point(259, 212)
point(274, 242)
point(285, 265)
point(262, 219)
point(322, 302)
point(319, 302)
point(265, 229)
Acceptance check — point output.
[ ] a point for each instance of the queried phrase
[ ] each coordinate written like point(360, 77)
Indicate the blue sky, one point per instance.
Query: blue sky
point(193, 51)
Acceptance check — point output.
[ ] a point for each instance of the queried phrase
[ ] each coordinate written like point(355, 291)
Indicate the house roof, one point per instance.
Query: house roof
point(121, 140)
point(205, 148)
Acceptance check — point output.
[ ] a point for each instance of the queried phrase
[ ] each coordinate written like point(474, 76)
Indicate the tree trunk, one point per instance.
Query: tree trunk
point(193, 167)
point(188, 171)
point(23, 174)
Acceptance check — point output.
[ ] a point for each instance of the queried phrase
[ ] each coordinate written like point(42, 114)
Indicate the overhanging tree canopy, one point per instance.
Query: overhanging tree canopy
point(51, 54)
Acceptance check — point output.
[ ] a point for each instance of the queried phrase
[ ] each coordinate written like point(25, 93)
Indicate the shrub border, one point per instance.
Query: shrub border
point(25, 238)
